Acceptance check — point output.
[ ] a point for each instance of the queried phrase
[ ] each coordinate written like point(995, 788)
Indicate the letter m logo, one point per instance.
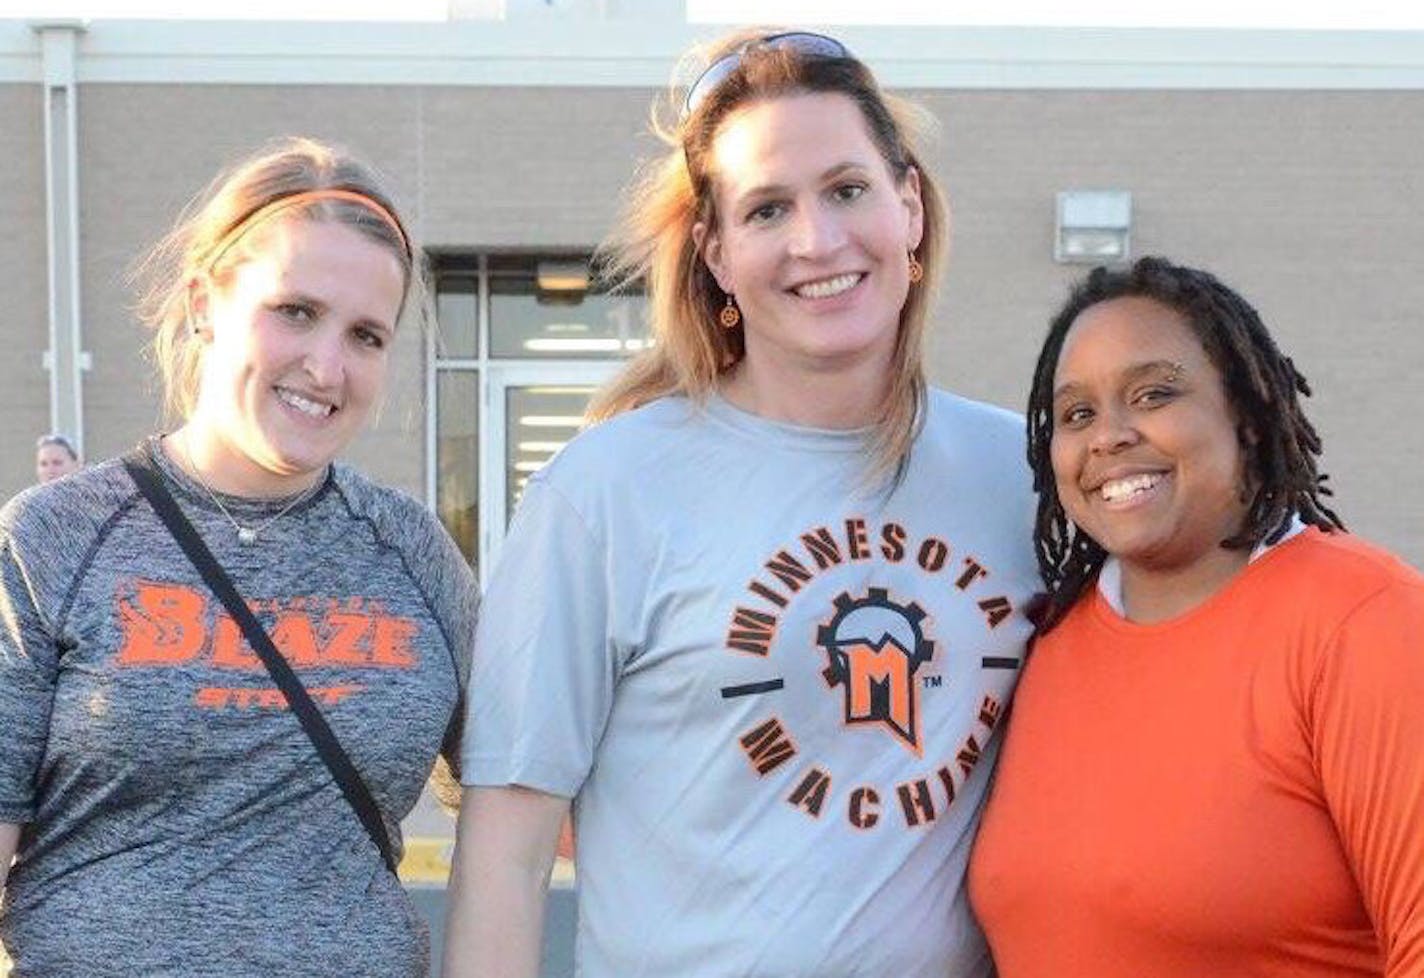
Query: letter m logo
point(874, 647)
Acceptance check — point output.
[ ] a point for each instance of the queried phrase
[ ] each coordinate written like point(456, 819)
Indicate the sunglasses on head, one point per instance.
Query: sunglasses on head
point(798, 42)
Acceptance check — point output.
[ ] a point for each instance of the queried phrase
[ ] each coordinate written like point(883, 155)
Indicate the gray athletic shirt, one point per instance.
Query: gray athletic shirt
point(774, 695)
point(177, 820)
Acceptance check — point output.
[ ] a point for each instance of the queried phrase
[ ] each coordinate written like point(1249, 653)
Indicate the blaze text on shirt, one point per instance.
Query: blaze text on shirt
point(169, 625)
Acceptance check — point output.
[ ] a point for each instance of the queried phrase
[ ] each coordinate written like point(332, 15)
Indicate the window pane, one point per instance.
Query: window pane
point(540, 421)
point(457, 316)
point(526, 321)
point(457, 456)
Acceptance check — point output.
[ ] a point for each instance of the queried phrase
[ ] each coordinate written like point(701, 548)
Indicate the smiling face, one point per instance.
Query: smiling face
point(297, 343)
point(1145, 450)
point(812, 235)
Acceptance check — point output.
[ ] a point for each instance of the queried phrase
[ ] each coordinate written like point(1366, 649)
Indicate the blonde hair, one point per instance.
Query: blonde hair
point(653, 240)
point(220, 228)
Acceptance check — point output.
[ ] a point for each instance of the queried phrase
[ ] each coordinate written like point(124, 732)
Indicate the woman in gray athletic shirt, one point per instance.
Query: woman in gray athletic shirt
point(168, 815)
point(759, 624)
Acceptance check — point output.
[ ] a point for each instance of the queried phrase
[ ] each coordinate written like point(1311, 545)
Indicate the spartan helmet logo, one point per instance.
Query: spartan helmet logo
point(874, 646)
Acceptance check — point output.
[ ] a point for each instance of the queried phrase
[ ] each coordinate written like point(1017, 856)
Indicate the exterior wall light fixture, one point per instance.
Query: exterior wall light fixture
point(1094, 227)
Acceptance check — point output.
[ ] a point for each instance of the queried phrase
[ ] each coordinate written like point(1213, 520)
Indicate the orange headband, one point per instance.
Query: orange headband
point(269, 210)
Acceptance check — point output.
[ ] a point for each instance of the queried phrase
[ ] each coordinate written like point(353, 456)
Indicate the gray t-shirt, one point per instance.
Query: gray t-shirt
point(774, 696)
point(177, 820)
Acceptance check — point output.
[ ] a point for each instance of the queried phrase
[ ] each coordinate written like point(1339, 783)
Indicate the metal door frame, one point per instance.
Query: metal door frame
point(496, 379)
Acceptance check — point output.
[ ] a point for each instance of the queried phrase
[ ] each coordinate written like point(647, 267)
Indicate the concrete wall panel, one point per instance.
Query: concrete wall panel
point(146, 150)
point(535, 167)
point(1308, 202)
point(24, 283)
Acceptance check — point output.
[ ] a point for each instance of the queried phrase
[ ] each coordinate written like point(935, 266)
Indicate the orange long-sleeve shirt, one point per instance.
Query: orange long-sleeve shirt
point(1238, 791)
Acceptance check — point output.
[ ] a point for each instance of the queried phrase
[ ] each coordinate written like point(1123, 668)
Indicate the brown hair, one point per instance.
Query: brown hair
point(653, 242)
point(210, 240)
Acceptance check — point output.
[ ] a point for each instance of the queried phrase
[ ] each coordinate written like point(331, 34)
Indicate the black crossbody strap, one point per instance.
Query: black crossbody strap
point(348, 779)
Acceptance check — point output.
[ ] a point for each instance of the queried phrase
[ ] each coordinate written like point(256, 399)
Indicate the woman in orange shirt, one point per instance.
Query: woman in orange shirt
point(1216, 760)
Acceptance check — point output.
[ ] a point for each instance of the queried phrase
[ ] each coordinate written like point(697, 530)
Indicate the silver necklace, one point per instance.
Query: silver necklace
point(246, 535)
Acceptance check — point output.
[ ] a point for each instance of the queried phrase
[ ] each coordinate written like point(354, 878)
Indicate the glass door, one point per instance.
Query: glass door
point(531, 411)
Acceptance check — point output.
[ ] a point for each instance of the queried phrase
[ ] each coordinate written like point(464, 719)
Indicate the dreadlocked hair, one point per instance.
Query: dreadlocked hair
point(1263, 387)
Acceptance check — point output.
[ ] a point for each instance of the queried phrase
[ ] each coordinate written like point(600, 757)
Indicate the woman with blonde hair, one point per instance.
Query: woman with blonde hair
point(759, 624)
point(227, 661)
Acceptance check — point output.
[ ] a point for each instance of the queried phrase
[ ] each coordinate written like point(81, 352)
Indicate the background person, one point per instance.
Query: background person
point(170, 815)
point(55, 456)
point(1214, 765)
point(760, 623)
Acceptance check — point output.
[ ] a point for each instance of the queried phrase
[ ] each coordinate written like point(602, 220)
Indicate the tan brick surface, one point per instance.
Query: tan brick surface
point(1309, 202)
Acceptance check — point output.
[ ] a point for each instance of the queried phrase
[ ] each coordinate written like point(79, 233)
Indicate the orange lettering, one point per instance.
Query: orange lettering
point(392, 644)
point(916, 801)
point(348, 632)
point(768, 746)
point(757, 587)
point(751, 631)
point(990, 712)
point(163, 625)
point(810, 794)
point(293, 635)
point(331, 695)
point(788, 570)
point(864, 809)
point(857, 542)
point(211, 697)
point(969, 755)
point(881, 674)
point(894, 546)
point(996, 610)
point(972, 571)
point(266, 698)
point(946, 778)
point(822, 547)
point(933, 553)
point(243, 698)
point(230, 651)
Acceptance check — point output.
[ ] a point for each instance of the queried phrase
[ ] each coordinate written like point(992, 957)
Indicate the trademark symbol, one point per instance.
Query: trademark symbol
point(932, 682)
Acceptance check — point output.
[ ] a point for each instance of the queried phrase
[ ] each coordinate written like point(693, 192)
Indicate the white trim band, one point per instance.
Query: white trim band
point(608, 54)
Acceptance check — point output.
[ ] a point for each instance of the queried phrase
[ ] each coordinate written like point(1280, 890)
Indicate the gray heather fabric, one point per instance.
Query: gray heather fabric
point(776, 698)
point(178, 821)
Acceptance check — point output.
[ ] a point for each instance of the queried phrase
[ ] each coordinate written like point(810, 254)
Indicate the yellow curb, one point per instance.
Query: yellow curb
point(562, 878)
point(427, 863)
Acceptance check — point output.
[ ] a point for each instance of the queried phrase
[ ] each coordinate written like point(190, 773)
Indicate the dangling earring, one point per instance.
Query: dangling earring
point(194, 326)
point(917, 271)
point(730, 315)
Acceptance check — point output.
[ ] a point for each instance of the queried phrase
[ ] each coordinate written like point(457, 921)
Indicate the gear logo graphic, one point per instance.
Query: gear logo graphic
point(874, 646)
